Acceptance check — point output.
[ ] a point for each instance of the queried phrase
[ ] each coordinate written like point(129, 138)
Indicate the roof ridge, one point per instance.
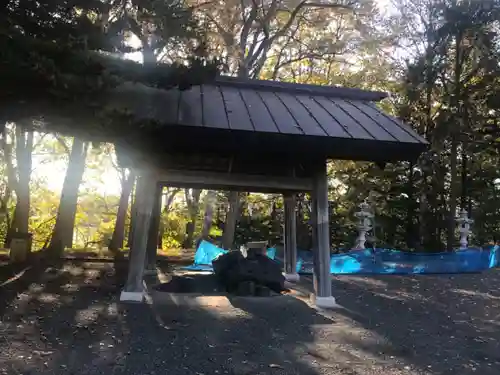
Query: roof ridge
point(299, 88)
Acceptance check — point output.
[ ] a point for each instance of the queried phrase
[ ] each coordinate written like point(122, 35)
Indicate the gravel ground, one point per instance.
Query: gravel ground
point(69, 322)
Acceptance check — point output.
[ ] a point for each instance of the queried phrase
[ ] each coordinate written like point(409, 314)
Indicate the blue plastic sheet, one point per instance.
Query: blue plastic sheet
point(376, 261)
point(207, 252)
point(389, 261)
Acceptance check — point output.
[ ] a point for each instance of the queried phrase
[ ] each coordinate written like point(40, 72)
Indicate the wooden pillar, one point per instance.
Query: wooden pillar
point(154, 228)
point(134, 287)
point(290, 238)
point(321, 240)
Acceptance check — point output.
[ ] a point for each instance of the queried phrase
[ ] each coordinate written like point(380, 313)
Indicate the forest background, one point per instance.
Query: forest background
point(439, 59)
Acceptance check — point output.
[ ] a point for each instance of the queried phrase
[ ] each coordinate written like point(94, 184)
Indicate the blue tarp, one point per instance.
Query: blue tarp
point(377, 261)
point(207, 252)
point(389, 261)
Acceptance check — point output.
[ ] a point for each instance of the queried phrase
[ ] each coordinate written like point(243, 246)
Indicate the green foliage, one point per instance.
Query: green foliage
point(252, 229)
point(57, 51)
point(95, 219)
point(444, 97)
point(446, 85)
point(44, 205)
point(175, 224)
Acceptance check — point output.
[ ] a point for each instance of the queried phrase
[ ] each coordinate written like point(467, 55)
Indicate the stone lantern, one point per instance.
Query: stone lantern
point(365, 224)
point(464, 228)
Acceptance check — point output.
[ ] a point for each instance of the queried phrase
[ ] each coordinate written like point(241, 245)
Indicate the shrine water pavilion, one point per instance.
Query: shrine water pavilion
point(252, 135)
point(237, 135)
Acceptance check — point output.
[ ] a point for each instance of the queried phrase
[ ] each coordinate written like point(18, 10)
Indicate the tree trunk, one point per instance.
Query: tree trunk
point(148, 54)
point(188, 240)
point(24, 149)
point(119, 231)
point(411, 237)
point(62, 235)
point(169, 199)
point(19, 181)
point(422, 228)
point(303, 230)
point(10, 229)
point(192, 200)
point(4, 218)
point(437, 210)
point(231, 218)
point(209, 213)
point(464, 194)
point(453, 195)
point(455, 131)
point(161, 233)
point(275, 222)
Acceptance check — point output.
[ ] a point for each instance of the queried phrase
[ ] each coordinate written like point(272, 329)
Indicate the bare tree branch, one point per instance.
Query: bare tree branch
point(266, 44)
point(247, 22)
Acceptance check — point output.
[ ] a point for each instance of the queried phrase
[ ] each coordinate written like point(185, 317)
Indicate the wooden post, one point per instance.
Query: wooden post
point(321, 240)
point(314, 235)
point(134, 288)
point(290, 238)
point(154, 228)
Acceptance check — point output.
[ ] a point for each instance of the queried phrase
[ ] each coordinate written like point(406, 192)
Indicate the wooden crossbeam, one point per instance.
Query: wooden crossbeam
point(229, 181)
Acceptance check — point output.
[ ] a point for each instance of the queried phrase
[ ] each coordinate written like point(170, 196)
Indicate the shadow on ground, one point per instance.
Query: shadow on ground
point(444, 324)
point(16, 278)
point(68, 321)
point(205, 284)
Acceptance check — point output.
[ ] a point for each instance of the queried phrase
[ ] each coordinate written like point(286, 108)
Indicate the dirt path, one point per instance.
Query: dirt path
point(69, 322)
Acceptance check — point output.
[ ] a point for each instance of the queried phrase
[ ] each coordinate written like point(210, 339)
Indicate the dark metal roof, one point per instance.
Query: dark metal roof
point(302, 88)
point(330, 121)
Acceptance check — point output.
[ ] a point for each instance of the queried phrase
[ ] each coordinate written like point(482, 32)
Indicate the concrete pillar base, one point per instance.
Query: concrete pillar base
point(292, 277)
point(324, 302)
point(131, 296)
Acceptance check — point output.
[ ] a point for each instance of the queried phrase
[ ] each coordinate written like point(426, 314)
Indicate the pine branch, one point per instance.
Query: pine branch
point(62, 71)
